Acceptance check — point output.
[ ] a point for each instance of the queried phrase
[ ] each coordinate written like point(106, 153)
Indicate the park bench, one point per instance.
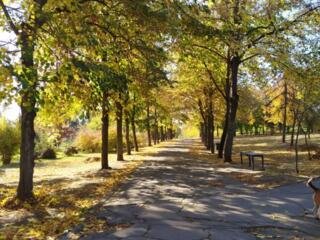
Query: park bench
point(251, 156)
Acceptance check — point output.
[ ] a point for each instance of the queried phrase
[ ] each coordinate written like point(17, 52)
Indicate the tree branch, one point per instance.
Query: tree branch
point(211, 50)
point(10, 21)
point(285, 26)
point(248, 58)
point(213, 80)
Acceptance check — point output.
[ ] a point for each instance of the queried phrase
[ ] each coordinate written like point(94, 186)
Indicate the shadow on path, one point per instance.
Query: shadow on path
point(178, 195)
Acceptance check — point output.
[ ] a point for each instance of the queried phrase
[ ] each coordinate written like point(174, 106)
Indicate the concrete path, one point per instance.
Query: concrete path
point(177, 196)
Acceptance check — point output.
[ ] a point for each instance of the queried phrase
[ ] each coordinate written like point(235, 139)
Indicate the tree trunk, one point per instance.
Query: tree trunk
point(202, 131)
point(224, 132)
point(284, 126)
point(119, 131)
point(105, 133)
point(210, 123)
point(156, 130)
point(212, 142)
point(293, 127)
point(128, 145)
point(235, 63)
point(25, 187)
point(227, 113)
point(296, 149)
point(208, 133)
point(134, 134)
point(307, 144)
point(165, 133)
point(205, 131)
point(161, 133)
point(28, 114)
point(148, 125)
point(170, 133)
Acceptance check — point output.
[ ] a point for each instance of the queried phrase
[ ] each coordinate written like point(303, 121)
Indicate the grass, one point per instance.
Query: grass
point(280, 157)
point(279, 161)
point(67, 192)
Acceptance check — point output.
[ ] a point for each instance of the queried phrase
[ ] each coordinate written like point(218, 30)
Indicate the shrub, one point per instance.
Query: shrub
point(43, 141)
point(88, 140)
point(49, 153)
point(70, 151)
point(9, 140)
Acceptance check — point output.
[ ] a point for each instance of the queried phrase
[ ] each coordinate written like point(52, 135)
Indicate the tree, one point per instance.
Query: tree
point(240, 34)
point(27, 32)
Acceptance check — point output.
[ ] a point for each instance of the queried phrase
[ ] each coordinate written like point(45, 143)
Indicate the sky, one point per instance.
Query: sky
point(11, 112)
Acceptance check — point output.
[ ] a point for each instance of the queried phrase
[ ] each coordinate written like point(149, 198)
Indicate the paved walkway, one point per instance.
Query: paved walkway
point(177, 196)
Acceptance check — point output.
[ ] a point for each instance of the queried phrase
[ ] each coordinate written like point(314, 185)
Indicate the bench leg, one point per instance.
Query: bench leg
point(262, 162)
point(249, 158)
point(241, 158)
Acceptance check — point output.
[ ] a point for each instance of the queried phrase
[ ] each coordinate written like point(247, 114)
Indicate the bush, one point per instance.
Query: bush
point(70, 151)
point(88, 140)
point(43, 141)
point(49, 153)
point(9, 140)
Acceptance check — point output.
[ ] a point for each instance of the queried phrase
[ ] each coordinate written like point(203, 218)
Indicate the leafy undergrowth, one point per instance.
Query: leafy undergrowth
point(57, 208)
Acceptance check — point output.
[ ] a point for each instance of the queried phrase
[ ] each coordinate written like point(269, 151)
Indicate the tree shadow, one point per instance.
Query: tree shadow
point(175, 192)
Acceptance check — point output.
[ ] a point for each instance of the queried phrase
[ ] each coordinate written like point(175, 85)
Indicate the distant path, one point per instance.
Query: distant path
point(176, 195)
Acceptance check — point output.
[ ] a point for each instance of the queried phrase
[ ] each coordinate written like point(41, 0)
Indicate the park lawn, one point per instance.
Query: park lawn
point(279, 161)
point(66, 190)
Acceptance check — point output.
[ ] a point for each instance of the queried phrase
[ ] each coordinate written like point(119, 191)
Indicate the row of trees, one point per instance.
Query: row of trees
point(96, 55)
point(252, 58)
point(163, 60)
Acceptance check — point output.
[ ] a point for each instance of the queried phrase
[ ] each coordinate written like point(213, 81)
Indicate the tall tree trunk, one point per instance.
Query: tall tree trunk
point(227, 113)
point(210, 123)
point(161, 133)
point(205, 132)
point(235, 63)
point(202, 131)
point(133, 125)
point(105, 133)
point(28, 114)
point(128, 145)
point(156, 130)
point(119, 114)
point(293, 127)
point(296, 148)
point(165, 133)
point(284, 125)
point(148, 125)
point(208, 133)
point(134, 133)
point(309, 127)
point(26, 33)
point(307, 145)
point(25, 187)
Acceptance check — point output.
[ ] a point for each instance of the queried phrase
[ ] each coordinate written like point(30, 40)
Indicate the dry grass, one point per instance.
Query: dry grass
point(279, 161)
point(280, 157)
point(67, 192)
